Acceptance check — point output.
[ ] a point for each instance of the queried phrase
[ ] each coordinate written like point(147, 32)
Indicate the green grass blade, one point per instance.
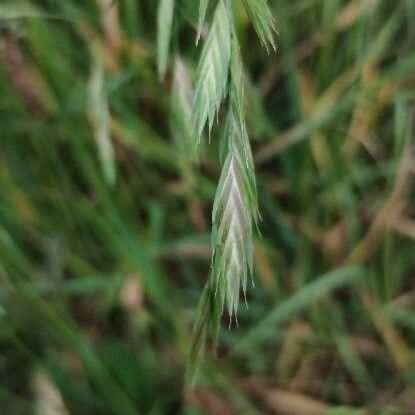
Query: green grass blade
point(312, 292)
point(164, 28)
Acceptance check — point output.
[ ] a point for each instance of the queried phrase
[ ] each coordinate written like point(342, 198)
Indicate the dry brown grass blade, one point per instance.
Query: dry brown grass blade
point(393, 339)
point(295, 134)
point(318, 142)
point(112, 33)
point(386, 217)
point(25, 79)
point(284, 402)
point(370, 102)
point(404, 226)
point(266, 272)
point(210, 403)
point(292, 350)
point(351, 12)
point(391, 210)
point(290, 403)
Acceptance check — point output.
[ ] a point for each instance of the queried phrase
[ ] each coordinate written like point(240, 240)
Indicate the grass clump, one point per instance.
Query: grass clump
point(106, 237)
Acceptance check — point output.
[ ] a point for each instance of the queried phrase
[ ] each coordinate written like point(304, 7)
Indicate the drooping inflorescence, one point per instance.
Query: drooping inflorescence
point(219, 82)
point(235, 210)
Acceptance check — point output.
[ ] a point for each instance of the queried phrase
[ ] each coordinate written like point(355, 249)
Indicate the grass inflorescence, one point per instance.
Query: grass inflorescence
point(115, 155)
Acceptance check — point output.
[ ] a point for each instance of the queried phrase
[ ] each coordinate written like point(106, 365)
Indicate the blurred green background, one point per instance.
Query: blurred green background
point(105, 219)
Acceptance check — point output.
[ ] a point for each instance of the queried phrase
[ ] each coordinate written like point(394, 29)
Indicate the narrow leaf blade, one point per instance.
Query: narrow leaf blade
point(164, 27)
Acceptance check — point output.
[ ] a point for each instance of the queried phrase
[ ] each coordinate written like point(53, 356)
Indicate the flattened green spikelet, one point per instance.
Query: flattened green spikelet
point(231, 236)
point(203, 4)
point(234, 210)
point(263, 21)
point(212, 71)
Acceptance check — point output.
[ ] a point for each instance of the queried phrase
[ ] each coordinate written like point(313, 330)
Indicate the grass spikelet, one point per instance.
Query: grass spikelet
point(203, 4)
point(234, 211)
point(263, 21)
point(212, 71)
point(231, 236)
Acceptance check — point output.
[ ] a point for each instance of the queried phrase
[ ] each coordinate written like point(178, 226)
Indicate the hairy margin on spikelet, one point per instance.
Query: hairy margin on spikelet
point(212, 71)
point(203, 5)
point(263, 21)
point(235, 208)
